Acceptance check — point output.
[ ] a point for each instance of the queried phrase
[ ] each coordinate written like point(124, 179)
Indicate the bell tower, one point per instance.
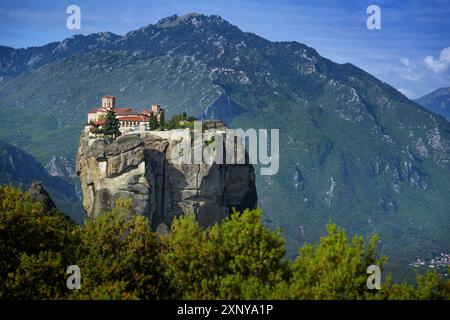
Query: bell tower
point(108, 102)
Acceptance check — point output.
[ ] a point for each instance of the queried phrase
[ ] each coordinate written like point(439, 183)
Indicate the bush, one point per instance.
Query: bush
point(227, 261)
point(35, 246)
point(118, 253)
point(120, 257)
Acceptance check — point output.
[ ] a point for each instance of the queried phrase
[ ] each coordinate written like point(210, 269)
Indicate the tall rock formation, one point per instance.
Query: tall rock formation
point(139, 166)
point(39, 194)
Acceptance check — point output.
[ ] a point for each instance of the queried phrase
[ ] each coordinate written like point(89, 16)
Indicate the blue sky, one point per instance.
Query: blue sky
point(409, 52)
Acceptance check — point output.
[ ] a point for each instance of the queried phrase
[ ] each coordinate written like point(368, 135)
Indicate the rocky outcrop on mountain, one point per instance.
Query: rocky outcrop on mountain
point(21, 169)
point(140, 167)
point(222, 108)
point(39, 194)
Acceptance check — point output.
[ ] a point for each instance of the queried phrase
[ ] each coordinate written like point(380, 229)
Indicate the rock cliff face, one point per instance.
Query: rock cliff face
point(139, 166)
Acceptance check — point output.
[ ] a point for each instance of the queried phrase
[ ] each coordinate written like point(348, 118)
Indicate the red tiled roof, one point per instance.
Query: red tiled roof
point(139, 118)
point(116, 110)
point(127, 112)
point(123, 110)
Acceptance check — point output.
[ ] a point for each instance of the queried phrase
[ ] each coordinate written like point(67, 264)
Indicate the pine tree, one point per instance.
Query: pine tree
point(111, 126)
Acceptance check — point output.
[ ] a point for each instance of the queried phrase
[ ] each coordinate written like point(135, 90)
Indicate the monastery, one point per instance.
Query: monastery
point(129, 119)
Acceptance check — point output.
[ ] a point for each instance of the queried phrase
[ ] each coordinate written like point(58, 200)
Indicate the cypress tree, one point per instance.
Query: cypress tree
point(153, 123)
point(111, 126)
point(162, 123)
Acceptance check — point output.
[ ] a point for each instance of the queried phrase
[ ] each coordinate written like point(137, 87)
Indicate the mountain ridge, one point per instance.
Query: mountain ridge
point(437, 101)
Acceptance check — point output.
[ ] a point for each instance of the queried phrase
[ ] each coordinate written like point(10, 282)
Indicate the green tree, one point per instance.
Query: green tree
point(36, 247)
point(120, 257)
point(430, 286)
point(106, 291)
point(333, 269)
point(118, 248)
point(162, 122)
point(38, 276)
point(111, 126)
point(238, 258)
point(153, 122)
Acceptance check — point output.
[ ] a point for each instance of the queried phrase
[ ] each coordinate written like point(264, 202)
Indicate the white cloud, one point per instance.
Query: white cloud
point(407, 71)
point(438, 65)
point(405, 62)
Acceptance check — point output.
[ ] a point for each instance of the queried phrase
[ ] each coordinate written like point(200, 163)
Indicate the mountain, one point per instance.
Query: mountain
point(437, 101)
point(352, 148)
point(20, 168)
point(13, 62)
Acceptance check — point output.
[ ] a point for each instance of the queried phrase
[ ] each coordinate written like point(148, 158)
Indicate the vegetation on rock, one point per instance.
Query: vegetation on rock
point(111, 125)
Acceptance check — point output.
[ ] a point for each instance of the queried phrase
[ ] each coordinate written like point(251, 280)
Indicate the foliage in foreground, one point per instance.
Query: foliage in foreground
point(121, 258)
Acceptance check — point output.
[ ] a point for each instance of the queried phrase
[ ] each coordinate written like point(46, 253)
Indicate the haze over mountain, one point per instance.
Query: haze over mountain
point(353, 149)
point(437, 101)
